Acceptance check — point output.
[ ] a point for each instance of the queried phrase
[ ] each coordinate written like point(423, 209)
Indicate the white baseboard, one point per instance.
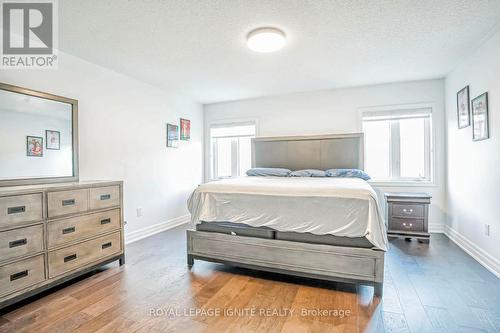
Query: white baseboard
point(488, 261)
point(136, 235)
point(436, 228)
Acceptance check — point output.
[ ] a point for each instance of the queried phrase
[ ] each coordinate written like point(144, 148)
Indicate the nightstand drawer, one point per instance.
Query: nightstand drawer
point(408, 211)
point(406, 224)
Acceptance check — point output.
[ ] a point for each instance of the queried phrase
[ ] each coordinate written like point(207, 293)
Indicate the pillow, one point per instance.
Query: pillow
point(308, 173)
point(277, 172)
point(351, 173)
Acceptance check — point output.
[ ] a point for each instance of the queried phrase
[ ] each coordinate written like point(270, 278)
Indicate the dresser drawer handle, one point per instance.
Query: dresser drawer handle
point(16, 210)
point(407, 225)
point(408, 211)
point(106, 221)
point(19, 242)
point(68, 202)
point(19, 275)
point(68, 230)
point(105, 196)
point(106, 245)
point(69, 258)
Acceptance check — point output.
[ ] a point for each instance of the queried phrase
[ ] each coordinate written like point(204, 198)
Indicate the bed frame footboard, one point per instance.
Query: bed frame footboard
point(326, 262)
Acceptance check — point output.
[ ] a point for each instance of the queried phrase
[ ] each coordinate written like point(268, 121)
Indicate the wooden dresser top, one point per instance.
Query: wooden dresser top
point(10, 190)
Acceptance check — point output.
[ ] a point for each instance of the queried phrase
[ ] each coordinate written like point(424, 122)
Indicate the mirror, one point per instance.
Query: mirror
point(38, 137)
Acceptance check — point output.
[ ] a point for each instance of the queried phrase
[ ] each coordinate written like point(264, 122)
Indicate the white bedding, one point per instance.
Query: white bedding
point(321, 206)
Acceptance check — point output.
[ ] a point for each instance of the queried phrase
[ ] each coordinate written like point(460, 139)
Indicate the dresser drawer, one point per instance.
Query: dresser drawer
point(21, 274)
point(81, 227)
point(67, 202)
point(104, 197)
point(76, 256)
point(20, 242)
point(406, 224)
point(408, 211)
point(20, 208)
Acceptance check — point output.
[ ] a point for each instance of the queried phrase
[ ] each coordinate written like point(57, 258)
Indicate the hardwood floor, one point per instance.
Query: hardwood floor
point(436, 288)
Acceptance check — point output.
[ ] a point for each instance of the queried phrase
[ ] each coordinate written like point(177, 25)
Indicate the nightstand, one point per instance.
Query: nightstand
point(408, 215)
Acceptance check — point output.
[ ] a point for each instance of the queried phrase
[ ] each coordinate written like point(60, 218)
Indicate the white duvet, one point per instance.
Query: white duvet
point(321, 206)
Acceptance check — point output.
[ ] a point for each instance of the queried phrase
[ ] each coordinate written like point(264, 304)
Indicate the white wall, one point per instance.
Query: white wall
point(122, 124)
point(338, 111)
point(474, 167)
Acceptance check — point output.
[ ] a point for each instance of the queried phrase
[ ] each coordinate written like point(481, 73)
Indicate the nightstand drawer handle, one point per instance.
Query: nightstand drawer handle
point(19, 275)
point(106, 221)
point(408, 211)
point(19, 242)
point(409, 225)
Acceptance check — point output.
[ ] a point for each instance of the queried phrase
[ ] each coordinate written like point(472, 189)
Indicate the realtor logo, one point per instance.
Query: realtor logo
point(29, 34)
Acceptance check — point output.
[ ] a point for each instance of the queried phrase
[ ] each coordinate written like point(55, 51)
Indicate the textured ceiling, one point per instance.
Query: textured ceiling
point(198, 47)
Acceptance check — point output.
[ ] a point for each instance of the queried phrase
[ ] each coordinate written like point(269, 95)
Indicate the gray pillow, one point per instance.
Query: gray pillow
point(277, 172)
point(308, 173)
point(347, 173)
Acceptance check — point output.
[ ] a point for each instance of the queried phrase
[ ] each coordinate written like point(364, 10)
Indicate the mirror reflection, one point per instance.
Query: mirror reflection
point(35, 137)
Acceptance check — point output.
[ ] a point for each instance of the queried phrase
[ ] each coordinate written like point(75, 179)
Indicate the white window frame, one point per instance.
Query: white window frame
point(212, 156)
point(395, 164)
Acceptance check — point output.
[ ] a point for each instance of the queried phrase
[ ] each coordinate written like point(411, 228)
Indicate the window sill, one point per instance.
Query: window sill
point(395, 183)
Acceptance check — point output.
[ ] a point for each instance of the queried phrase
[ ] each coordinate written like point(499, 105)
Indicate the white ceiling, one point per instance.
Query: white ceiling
point(198, 47)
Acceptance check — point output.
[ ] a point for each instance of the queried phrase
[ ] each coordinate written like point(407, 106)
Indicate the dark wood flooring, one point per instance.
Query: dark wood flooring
point(436, 288)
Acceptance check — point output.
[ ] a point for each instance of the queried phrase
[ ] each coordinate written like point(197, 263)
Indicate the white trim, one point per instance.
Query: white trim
point(436, 228)
point(400, 183)
point(136, 235)
point(487, 260)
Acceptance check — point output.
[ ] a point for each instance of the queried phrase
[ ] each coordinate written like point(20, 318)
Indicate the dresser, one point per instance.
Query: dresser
point(408, 215)
point(52, 233)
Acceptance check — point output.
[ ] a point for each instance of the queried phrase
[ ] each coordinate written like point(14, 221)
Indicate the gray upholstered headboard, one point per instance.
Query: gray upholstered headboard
point(322, 152)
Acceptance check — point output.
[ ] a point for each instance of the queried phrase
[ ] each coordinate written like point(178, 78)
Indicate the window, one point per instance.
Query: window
point(398, 144)
point(231, 150)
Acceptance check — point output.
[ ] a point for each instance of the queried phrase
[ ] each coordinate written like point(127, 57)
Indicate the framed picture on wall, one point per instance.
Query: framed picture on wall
point(185, 129)
point(53, 140)
point(463, 109)
point(172, 135)
point(34, 146)
point(480, 126)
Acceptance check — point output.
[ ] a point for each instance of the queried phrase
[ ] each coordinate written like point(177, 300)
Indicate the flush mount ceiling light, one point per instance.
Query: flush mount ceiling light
point(266, 40)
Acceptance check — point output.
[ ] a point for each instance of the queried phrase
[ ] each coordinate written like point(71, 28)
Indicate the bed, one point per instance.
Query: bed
point(324, 228)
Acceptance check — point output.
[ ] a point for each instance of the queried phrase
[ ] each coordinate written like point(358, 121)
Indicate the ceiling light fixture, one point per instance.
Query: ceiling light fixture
point(266, 40)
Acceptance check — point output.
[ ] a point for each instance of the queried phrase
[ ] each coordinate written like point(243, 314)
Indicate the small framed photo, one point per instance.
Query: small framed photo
point(34, 146)
point(53, 140)
point(172, 135)
point(480, 126)
point(463, 109)
point(185, 129)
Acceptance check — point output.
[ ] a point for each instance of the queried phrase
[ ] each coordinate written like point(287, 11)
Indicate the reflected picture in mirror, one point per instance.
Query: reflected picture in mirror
point(34, 146)
point(53, 139)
